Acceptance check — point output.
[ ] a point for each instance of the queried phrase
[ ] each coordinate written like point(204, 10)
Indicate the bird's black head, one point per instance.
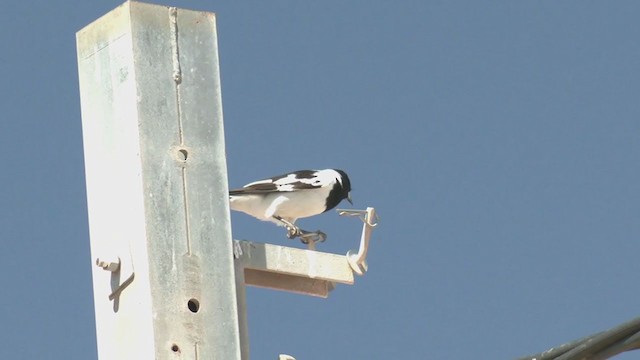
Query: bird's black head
point(340, 191)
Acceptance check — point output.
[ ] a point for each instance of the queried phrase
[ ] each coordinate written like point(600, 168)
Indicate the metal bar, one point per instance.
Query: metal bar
point(157, 185)
point(291, 269)
point(602, 341)
point(297, 262)
point(556, 351)
point(602, 345)
point(241, 293)
point(620, 346)
point(288, 283)
point(358, 260)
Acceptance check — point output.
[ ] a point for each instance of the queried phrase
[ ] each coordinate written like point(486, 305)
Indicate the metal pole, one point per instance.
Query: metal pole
point(157, 185)
point(241, 293)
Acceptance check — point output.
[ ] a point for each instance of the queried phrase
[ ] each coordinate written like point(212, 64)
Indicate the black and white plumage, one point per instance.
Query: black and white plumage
point(283, 199)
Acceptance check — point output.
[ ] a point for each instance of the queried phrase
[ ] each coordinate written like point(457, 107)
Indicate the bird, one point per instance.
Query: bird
point(285, 198)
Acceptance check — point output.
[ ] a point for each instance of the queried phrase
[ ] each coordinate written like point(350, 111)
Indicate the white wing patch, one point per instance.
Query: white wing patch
point(265, 181)
point(275, 204)
point(293, 182)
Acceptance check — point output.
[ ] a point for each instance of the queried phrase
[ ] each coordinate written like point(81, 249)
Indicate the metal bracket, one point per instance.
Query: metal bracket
point(115, 266)
point(121, 287)
point(290, 269)
point(358, 261)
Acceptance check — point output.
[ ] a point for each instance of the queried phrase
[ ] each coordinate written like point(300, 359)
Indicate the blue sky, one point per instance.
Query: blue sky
point(499, 142)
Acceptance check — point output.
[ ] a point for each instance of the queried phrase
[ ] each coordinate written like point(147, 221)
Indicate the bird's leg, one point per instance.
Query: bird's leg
point(304, 235)
point(292, 230)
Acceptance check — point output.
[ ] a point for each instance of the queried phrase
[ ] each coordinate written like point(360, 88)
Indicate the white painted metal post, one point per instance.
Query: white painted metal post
point(157, 186)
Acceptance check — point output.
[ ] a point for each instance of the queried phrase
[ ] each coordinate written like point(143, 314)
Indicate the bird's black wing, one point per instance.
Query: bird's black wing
point(261, 188)
point(299, 180)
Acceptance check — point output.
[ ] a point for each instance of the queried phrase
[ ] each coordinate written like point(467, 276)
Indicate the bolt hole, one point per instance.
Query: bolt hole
point(183, 154)
point(175, 348)
point(194, 305)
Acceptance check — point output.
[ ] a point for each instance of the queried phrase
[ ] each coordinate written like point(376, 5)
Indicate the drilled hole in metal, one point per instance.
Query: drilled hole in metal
point(183, 154)
point(194, 305)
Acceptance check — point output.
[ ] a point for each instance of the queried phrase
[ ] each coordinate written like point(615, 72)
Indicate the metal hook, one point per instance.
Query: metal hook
point(358, 261)
point(361, 214)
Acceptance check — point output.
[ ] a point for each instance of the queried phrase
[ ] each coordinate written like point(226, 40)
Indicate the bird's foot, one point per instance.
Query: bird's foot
point(312, 236)
point(304, 235)
point(293, 232)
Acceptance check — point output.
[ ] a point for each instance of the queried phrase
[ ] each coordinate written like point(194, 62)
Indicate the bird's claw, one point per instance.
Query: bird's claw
point(293, 232)
point(313, 236)
point(306, 236)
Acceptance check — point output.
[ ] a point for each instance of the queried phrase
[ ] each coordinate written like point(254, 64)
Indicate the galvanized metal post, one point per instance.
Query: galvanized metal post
point(157, 186)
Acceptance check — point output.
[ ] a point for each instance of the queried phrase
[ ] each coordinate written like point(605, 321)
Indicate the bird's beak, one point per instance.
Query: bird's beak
point(349, 199)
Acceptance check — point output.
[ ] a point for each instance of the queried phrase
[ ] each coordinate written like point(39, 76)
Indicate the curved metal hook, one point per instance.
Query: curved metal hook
point(358, 261)
point(361, 214)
